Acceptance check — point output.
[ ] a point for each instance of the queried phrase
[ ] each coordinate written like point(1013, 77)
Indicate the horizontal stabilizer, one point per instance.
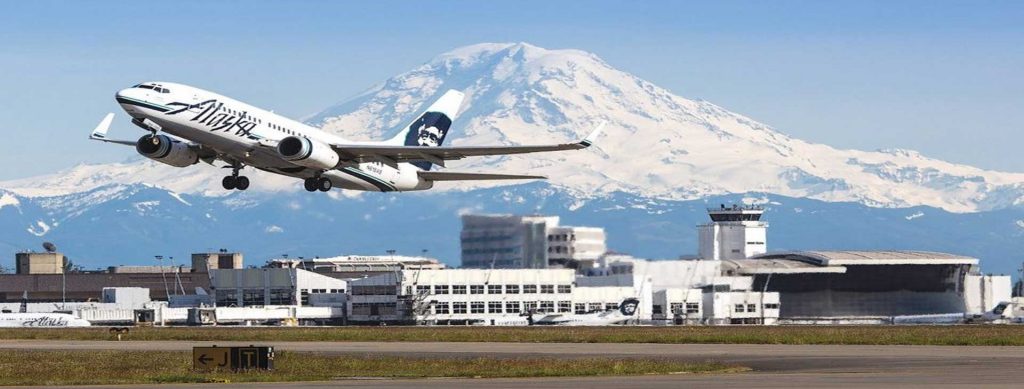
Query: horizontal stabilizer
point(466, 176)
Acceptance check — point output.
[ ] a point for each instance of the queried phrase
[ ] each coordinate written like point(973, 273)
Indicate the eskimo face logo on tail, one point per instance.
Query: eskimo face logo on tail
point(628, 307)
point(428, 131)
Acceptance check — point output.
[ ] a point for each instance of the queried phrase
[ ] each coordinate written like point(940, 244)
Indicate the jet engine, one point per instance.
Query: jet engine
point(308, 153)
point(162, 148)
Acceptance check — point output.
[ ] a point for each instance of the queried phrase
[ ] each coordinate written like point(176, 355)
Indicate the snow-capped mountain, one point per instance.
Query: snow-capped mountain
point(657, 145)
point(661, 160)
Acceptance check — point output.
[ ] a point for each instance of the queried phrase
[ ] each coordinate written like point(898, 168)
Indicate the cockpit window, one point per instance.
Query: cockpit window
point(157, 88)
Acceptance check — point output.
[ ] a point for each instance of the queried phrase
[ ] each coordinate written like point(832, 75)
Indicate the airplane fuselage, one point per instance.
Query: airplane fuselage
point(41, 320)
point(242, 133)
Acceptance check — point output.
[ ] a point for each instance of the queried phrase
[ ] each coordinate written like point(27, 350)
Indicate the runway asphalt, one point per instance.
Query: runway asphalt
point(773, 365)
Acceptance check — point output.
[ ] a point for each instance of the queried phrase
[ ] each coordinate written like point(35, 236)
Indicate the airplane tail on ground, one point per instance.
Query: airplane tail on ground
point(430, 128)
point(628, 306)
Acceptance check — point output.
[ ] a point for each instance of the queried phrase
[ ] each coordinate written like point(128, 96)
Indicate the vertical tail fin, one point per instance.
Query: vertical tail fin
point(628, 306)
point(431, 127)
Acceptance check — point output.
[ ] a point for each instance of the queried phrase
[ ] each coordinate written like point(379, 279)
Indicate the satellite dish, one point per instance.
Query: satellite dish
point(49, 247)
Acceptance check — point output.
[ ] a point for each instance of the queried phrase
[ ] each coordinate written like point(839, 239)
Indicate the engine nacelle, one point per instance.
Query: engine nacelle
point(163, 149)
point(308, 153)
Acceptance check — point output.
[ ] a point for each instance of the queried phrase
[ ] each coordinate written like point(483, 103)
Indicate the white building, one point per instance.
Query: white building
point(475, 296)
point(733, 233)
point(575, 247)
point(269, 286)
point(528, 242)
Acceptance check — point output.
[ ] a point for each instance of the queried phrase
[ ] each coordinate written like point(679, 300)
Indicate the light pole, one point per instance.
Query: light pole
point(163, 276)
point(63, 283)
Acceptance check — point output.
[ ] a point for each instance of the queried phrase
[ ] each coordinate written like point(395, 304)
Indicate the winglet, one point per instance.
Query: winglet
point(100, 132)
point(589, 140)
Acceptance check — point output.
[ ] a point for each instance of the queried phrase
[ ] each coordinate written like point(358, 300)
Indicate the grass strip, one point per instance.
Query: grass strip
point(968, 335)
point(31, 367)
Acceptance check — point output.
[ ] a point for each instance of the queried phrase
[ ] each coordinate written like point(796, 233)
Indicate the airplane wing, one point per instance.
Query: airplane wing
point(100, 132)
point(438, 155)
point(467, 176)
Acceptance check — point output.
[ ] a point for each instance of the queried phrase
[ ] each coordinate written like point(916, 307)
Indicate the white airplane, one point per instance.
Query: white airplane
point(625, 312)
point(23, 319)
point(188, 124)
point(1003, 312)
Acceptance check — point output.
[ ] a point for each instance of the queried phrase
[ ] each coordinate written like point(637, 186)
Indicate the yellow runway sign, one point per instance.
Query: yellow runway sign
point(210, 358)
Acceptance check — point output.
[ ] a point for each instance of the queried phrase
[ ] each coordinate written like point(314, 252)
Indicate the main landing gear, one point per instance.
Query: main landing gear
point(314, 184)
point(235, 181)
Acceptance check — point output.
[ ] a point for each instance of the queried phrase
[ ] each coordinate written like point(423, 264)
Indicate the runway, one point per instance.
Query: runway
point(773, 365)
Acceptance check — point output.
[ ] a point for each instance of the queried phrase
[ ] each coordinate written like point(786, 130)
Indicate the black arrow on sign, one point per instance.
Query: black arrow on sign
point(204, 359)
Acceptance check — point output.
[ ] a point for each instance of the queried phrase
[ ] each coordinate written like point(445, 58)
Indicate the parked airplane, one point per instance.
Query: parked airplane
point(1001, 313)
point(39, 320)
point(625, 312)
point(188, 124)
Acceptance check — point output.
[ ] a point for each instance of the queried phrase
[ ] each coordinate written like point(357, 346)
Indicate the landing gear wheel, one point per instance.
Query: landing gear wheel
point(323, 184)
point(310, 184)
point(242, 183)
point(229, 182)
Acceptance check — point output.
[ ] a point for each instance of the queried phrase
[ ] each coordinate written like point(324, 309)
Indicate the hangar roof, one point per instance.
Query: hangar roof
point(777, 266)
point(839, 258)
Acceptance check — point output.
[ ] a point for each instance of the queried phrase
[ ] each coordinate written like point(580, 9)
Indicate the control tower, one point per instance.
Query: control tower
point(735, 232)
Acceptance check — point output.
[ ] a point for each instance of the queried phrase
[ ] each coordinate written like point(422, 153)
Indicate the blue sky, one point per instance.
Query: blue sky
point(943, 78)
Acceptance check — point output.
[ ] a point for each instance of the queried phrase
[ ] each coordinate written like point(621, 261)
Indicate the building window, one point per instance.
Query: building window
point(423, 289)
point(512, 306)
point(458, 289)
point(547, 289)
point(227, 297)
point(594, 307)
point(494, 307)
point(675, 308)
point(546, 306)
point(751, 308)
point(528, 289)
point(372, 290)
point(459, 308)
point(739, 308)
point(441, 308)
point(564, 306)
point(530, 306)
point(476, 289)
point(564, 289)
point(476, 307)
point(512, 289)
point(580, 308)
point(611, 306)
point(692, 307)
point(440, 289)
point(281, 296)
point(656, 309)
point(771, 306)
point(252, 297)
point(493, 289)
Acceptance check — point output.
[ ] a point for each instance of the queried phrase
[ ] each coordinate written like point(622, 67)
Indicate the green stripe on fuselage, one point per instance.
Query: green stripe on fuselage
point(373, 180)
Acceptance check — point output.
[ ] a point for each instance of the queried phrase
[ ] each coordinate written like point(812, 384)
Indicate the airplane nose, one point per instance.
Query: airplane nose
point(122, 93)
